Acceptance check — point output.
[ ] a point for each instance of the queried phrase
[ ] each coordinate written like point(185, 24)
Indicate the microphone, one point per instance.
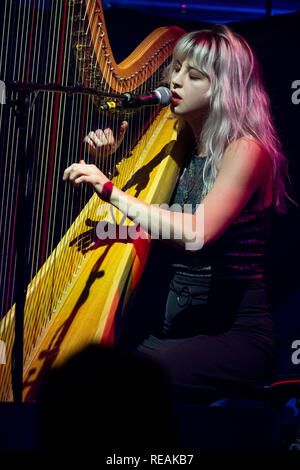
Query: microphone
point(161, 96)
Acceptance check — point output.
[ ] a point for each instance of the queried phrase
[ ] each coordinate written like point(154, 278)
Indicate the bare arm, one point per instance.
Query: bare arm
point(244, 168)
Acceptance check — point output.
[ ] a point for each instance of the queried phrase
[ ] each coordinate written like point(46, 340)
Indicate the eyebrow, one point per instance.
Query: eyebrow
point(190, 67)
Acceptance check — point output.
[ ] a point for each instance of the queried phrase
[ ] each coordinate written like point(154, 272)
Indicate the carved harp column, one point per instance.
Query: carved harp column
point(84, 258)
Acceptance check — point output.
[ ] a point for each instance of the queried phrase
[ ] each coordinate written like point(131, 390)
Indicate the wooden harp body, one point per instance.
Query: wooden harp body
point(79, 281)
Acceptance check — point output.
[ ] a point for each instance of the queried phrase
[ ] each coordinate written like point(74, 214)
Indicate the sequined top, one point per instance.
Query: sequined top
point(239, 253)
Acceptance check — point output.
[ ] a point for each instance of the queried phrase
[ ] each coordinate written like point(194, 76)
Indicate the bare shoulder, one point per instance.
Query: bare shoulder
point(246, 155)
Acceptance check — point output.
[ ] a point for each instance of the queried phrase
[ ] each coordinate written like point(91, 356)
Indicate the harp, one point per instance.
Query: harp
point(77, 282)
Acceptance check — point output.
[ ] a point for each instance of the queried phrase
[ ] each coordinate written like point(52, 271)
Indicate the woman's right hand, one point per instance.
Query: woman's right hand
point(102, 143)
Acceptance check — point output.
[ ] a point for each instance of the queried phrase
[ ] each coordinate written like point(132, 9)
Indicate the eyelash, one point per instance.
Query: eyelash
point(192, 77)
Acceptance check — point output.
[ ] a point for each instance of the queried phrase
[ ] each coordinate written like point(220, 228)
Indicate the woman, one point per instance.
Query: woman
point(217, 325)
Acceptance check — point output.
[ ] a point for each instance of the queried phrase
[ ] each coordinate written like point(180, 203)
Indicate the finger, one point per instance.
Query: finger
point(99, 133)
point(98, 138)
point(109, 136)
point(82, 162)
point(122, 130)
point(89, 142)
point(124, 126)
point(76, 170)
point(80, 179)
point(67, 172)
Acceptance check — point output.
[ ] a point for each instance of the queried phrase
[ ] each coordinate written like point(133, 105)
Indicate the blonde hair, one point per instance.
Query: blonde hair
point(239, 104)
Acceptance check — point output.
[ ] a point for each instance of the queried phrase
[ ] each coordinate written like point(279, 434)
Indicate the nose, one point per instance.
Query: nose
point(177, 79)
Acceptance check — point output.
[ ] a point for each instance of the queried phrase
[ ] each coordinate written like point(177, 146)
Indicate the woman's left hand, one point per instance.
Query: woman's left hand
point(79, 173)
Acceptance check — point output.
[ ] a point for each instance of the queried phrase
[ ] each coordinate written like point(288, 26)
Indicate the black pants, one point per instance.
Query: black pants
point(215, 333)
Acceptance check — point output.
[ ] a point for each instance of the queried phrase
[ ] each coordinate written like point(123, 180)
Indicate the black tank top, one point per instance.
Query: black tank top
point(239, 253)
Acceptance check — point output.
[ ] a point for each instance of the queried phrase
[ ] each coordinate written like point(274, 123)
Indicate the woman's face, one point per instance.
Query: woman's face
point(189, 87)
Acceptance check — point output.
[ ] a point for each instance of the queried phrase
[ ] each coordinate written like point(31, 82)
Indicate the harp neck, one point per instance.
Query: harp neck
point(94, 53)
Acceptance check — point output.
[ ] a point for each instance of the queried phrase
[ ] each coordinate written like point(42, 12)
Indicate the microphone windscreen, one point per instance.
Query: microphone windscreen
point(164, 95)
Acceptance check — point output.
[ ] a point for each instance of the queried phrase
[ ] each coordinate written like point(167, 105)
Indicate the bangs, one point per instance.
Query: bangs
point(199, 49)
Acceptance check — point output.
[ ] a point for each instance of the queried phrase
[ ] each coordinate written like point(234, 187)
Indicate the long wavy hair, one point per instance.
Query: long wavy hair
point(239, 103)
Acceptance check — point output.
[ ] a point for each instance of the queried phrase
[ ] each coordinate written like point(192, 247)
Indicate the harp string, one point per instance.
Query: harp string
point(58, 269)
point(8, 173)
point(78, 112)
point(57, 125)
point(37, 305)
point(90, 80)
point(61, 268)
point(10, 264)
point(31, 75)
point(52, 212)
point(68, 266)
point(78, 256)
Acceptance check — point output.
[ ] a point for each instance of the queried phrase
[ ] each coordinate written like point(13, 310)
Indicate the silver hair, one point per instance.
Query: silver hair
point(239, 104)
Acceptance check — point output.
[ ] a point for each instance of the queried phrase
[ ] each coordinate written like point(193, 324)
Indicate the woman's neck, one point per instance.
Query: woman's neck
point(197, 127)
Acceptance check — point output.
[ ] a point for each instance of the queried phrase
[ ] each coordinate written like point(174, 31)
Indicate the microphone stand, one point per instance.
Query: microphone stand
point(22, 106)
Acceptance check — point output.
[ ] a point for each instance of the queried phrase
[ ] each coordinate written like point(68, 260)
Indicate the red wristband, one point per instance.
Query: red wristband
point(106, 191)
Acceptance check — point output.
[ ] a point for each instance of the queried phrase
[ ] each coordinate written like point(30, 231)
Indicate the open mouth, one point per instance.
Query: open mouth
point(176, 98)
point(175, 95)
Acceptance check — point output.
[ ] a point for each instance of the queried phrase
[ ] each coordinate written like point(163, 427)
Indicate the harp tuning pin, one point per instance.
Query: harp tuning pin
point(101, 35)
point(104, 46)
point(99, 24)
